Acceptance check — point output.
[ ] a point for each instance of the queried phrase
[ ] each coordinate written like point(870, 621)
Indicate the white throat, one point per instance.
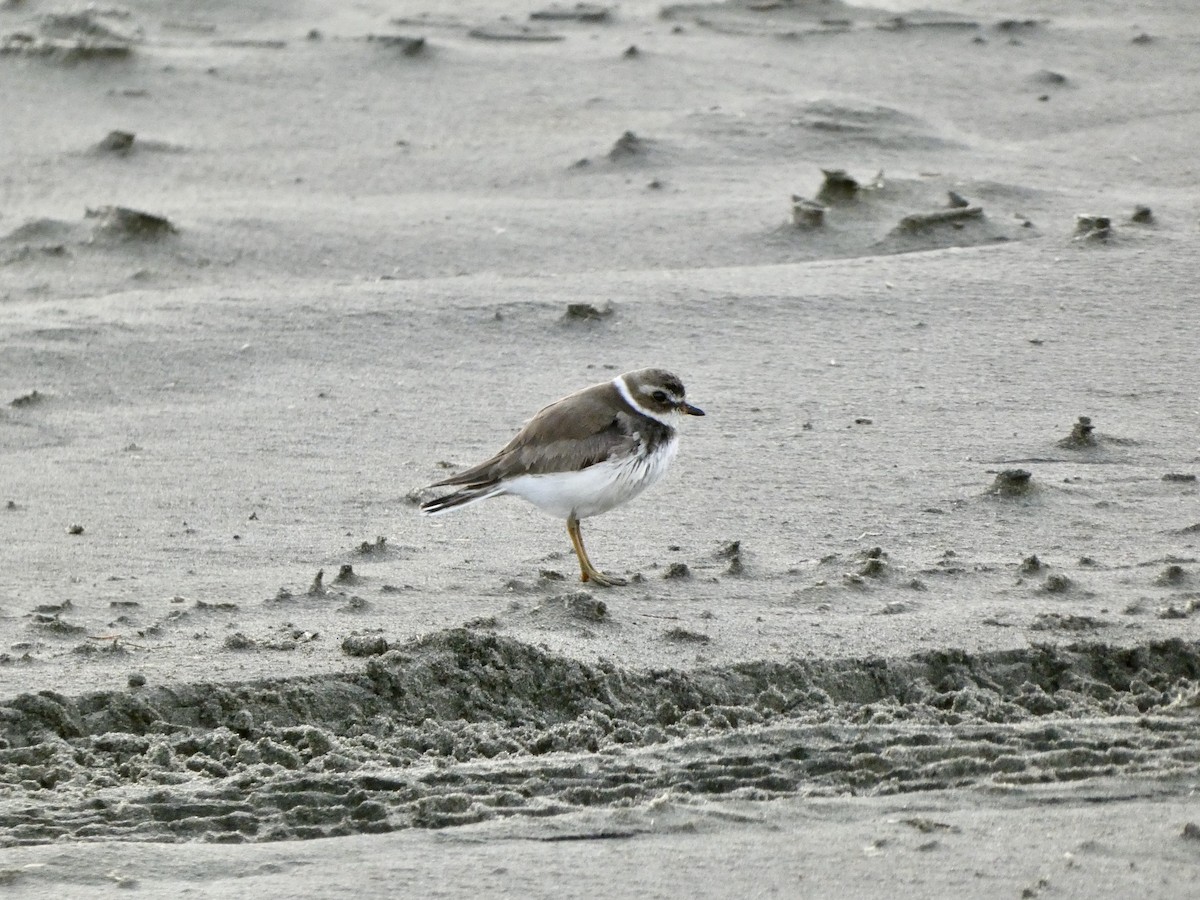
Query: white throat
point(668, 419)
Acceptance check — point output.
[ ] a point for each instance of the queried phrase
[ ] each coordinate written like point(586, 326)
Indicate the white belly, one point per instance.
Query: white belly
point(596, 489)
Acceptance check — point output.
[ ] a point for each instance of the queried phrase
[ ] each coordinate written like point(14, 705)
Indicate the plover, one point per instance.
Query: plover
point(583, 455)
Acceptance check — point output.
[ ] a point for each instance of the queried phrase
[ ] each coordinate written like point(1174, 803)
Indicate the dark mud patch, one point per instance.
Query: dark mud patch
point(461, 726)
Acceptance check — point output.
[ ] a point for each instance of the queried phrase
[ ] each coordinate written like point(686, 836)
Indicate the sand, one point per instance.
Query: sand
point(917, 608)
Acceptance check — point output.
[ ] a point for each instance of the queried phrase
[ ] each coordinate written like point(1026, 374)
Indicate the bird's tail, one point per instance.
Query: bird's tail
point(463, 497)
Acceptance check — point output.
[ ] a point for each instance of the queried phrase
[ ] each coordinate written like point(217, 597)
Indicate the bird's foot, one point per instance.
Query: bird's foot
point(599, 579)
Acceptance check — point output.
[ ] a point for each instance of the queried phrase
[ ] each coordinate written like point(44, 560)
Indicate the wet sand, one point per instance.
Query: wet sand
point(900, 618)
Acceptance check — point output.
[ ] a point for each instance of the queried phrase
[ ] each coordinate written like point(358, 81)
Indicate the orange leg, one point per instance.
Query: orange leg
point(588, 572)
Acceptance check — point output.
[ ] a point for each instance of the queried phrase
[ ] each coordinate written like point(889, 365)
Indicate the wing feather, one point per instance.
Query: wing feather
point(573, 433)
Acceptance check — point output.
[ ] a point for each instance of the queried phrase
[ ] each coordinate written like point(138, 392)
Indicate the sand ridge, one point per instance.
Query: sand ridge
point(463, 726)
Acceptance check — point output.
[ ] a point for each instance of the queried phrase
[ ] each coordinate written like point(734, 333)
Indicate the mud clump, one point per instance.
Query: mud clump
point(365, 645)
point(1082, 435)
point(221, 606)
point(1090, 227)
point(678, 570)
point(57, 626)
point(346, 575)
point(1050, 77)
point(33, 398)
point(120, 223)
point(1172, 576)
point(373, 548)
point(1057, 622)
point(1057, 584)
point(874, 563)
point(1016, 25)
point(582, 605)
point(627, 146)
point(1012, 483)
point(407, 45)
point(317, 588)
point(103, 228)
point(839, 186)
point(1182, 611)
point(1142, 215)
point(732, 552)
point(586, 312)
point(955, 217)
point(808, 213)
point(116, 143)
point(685, 636)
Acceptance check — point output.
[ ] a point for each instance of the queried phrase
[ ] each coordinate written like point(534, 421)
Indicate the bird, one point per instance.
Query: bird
point(583, 455)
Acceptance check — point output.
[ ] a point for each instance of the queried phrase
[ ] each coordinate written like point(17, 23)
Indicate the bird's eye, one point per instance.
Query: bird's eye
point(660, 396)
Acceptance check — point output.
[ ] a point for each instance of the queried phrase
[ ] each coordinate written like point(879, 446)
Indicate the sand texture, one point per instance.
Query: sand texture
point(916, 610)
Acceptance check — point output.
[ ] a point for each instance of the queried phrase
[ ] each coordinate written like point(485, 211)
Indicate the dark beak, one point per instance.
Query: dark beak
point(690, 410)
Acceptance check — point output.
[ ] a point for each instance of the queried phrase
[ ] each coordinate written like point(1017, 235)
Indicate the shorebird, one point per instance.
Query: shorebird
point(583, 455)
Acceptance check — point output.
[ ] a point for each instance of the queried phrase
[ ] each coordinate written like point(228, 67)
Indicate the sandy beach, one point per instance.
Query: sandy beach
point(917, 608)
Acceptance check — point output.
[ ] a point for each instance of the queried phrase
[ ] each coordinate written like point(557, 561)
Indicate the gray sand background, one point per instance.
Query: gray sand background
point(881, 665)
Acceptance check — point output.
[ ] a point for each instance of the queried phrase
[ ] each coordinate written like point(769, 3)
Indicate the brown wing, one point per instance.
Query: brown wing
point(568, 435)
